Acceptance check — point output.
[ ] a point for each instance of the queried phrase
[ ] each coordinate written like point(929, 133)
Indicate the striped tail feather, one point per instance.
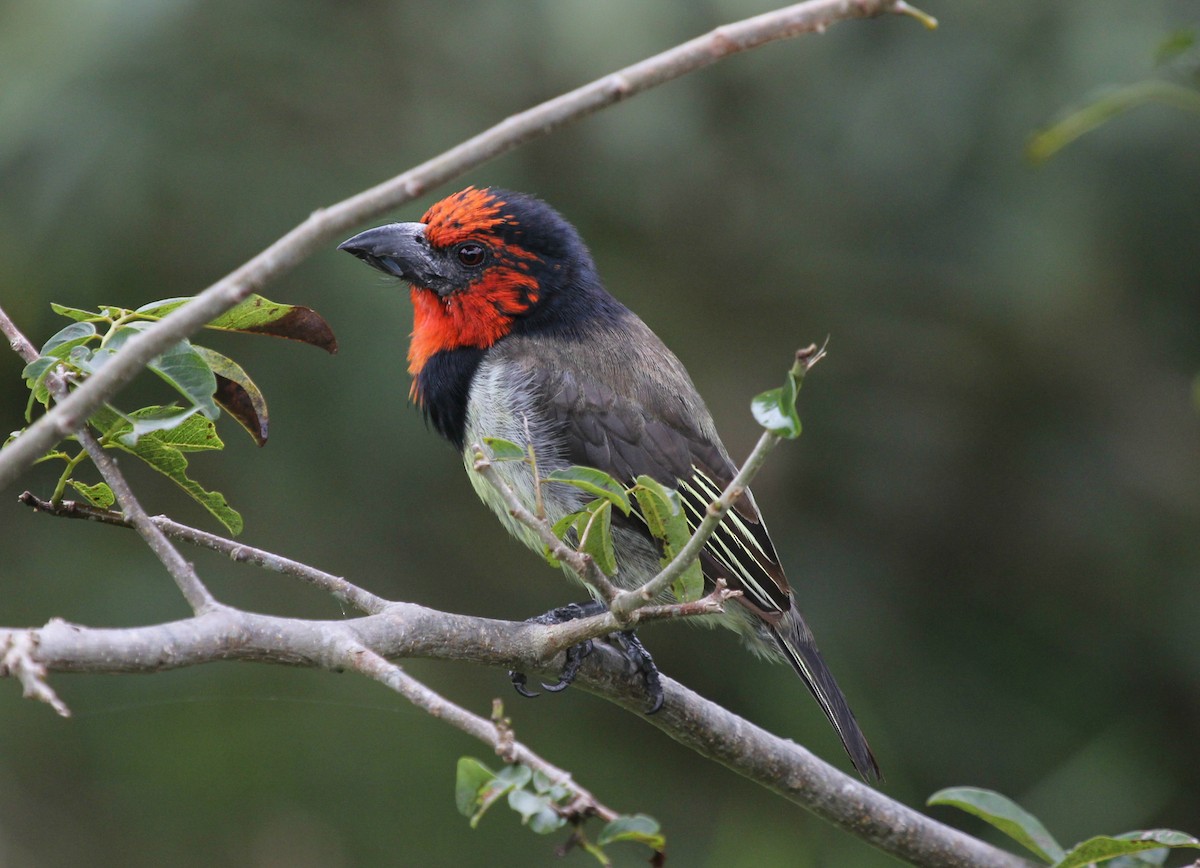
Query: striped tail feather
point(796, 642)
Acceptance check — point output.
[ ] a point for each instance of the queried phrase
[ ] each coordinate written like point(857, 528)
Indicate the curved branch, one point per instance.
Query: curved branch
point(323, 225)
point(408, 630)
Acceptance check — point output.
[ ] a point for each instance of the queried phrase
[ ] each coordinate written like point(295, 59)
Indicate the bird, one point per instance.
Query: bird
point(515, 337)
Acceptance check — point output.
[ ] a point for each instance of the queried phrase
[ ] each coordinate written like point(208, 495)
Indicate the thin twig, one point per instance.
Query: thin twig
point(496, 733)
point(322, 226)
point(19, 661)
point(337, 586)
point(627, 601)
point(581, 563)
point(181, 570)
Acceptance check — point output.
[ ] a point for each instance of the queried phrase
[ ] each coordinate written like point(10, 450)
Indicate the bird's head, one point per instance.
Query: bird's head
point(481, 264)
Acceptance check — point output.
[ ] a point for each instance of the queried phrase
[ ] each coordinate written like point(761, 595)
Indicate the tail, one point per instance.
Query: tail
point(796, 642)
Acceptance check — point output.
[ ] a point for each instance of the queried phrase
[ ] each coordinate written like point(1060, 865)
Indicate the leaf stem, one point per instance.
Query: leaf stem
point(61, 487)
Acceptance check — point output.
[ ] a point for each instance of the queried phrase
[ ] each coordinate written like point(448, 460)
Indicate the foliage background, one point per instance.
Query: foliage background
point(991, 518)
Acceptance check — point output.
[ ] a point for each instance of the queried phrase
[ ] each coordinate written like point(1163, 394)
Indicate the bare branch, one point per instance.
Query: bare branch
point(581, 563)
point(323, 225)
point(180, 569)
point(496, 732)
point(340, 588)
point(18, 661)
point(405, 630)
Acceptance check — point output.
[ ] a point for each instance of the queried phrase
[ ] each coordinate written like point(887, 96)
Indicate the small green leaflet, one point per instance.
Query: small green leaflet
point(536, 810)
point(594, 482)
point(477, 787)
point(775, 409)
point(164, 451)
point(68, 337)
point(98, 495)
point(75, 313)
point(180, 366)
point(594, 527)
point(184, 369)
point(1105, 847)
point(593, 535)
point(505, 450)
point(659, 506)
point(636, 827)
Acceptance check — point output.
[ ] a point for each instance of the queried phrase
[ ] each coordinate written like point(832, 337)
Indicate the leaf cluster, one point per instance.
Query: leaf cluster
point(589, 530)
point(545, 806)
point(1137, 849)
point(204, 382)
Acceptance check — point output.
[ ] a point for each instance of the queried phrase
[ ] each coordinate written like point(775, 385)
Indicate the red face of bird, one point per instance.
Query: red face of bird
point(475, 263)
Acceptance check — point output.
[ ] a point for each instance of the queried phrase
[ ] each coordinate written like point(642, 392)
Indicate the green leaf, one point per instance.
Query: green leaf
point(237, 393)
point(1144, 859)
point(61, 343)
point(163, 450)
point(505, 450)
point(537, 811)
point(1006, 815)
point(75, 313)
point(559, 529)
point(98, 495)
point(89, 361)
point(775, 409)
point(258, 315)
point(663, 513)
point(179, 365)
point(594, 527)
point(636, 827)
point(659, 506)
point(36, 370)
point(195, 434)
point(594, 482)
point(470, 779)
point(514, 775)
point(1105, 847)
point(151, 419)
point(542, 783)
point(187, 372)
point(35, 378)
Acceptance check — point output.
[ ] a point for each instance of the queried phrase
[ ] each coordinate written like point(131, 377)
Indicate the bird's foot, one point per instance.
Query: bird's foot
point(628, 643)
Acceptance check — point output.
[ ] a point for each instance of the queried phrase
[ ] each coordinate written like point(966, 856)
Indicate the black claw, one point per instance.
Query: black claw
point(575, 657)
point(518, 682)
point(635, 652)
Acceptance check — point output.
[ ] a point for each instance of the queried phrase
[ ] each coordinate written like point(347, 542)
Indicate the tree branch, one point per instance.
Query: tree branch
point(407, 630)
point(341, 589)
point(323, 225)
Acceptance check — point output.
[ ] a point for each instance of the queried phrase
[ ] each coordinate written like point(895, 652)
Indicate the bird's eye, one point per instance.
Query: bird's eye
point(471, 254)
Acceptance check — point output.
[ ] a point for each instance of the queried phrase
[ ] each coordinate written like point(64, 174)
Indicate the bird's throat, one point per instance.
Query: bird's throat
point(476, 316)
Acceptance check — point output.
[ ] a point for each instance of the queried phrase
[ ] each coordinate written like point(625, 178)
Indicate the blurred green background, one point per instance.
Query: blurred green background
point(992, 517)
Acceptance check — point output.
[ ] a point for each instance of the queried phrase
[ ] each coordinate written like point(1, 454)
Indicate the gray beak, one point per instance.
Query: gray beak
point(401, 250)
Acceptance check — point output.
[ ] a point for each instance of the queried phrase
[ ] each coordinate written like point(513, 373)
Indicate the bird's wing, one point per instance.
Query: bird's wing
point(629, 421)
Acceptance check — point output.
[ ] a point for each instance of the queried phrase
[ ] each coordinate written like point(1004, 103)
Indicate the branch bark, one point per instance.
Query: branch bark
point(408, 630)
